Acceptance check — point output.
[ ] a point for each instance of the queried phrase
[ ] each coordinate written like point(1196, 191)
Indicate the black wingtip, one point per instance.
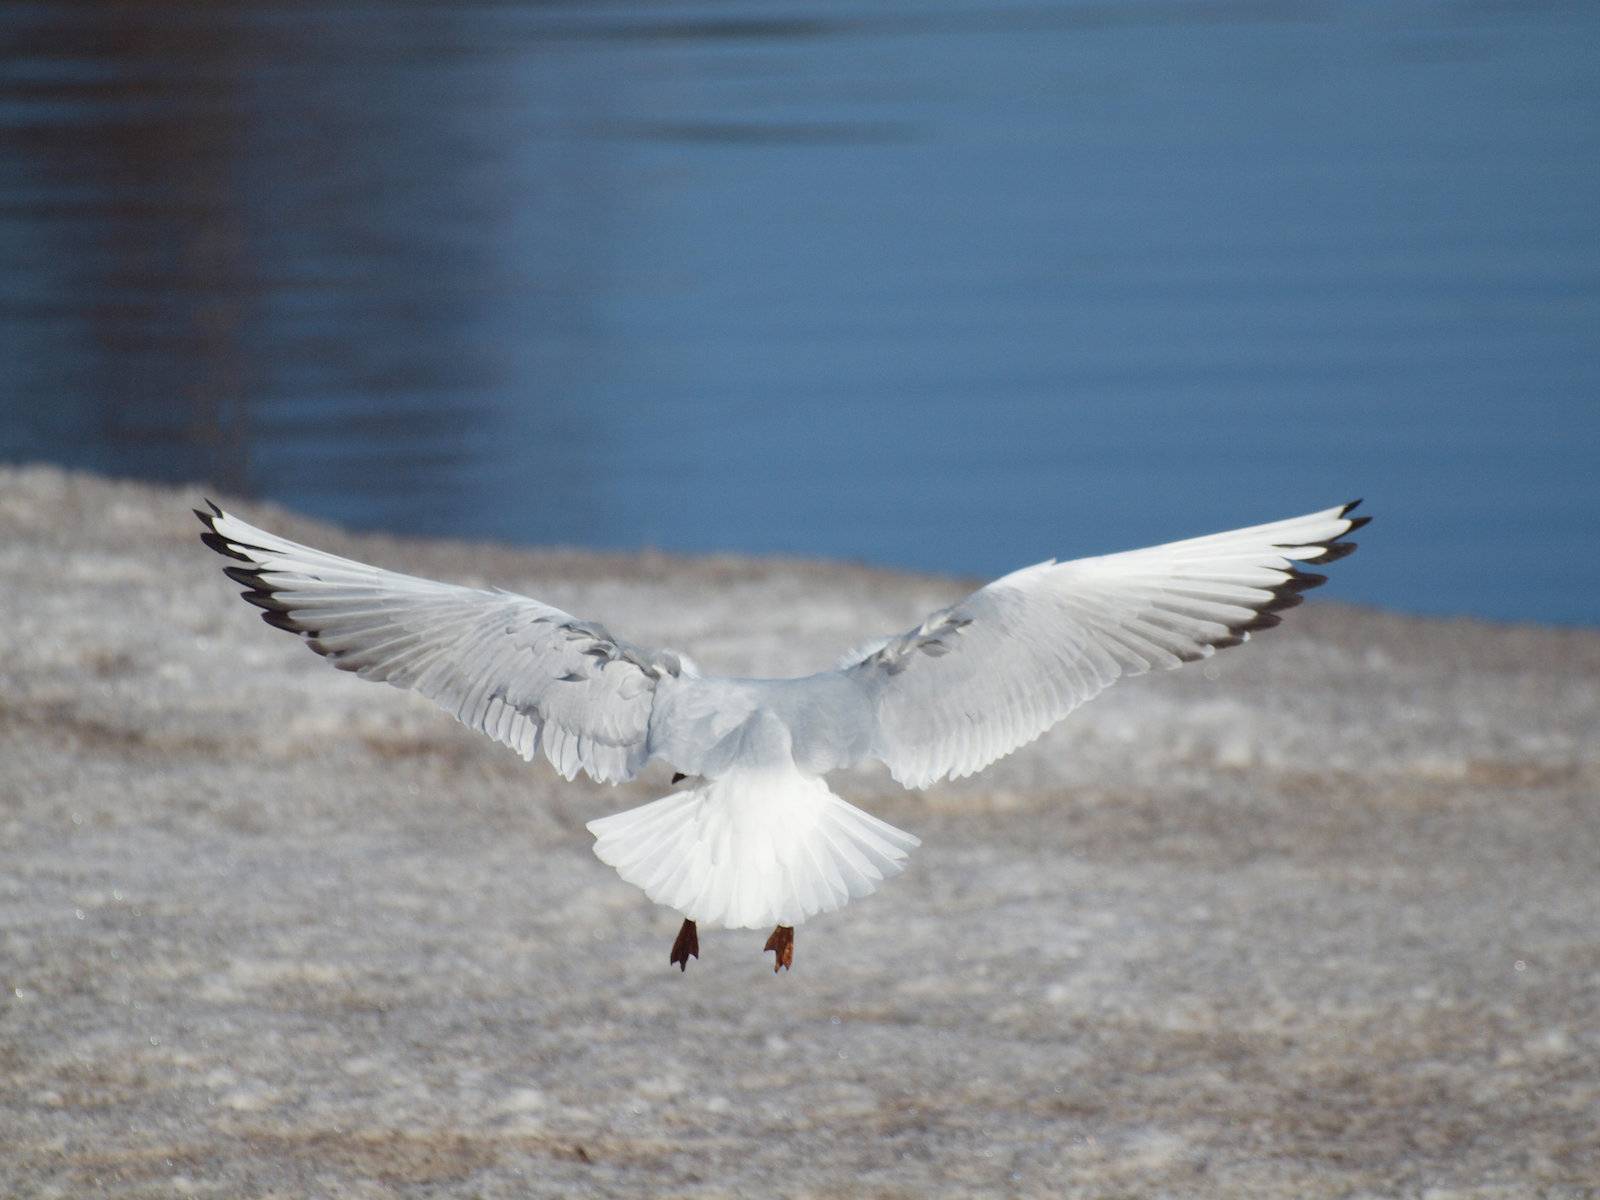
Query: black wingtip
point(1284, 597)
point(1350, 508)
point(1303, 581)
point(1262, 620)
point(1287, 594)
point(220, 544)
point(268, 600)
point(214, 540)
point(282, 620)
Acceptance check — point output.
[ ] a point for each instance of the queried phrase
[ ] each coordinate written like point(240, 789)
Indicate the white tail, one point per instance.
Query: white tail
point(752, 849)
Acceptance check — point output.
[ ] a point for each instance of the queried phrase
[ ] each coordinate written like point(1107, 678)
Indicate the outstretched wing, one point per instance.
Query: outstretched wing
point(525, 673)
point(976, 680)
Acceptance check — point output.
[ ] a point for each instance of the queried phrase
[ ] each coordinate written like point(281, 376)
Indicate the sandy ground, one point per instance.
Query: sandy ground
point(1315, 919)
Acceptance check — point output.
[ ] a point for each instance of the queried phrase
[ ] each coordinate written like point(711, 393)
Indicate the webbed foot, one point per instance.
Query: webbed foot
point(686, 946)
point(781, 943)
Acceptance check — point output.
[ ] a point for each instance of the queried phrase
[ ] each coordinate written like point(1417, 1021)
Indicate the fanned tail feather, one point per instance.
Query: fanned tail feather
point(752, 849)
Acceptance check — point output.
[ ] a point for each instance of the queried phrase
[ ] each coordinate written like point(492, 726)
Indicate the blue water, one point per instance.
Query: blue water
point(952, 286)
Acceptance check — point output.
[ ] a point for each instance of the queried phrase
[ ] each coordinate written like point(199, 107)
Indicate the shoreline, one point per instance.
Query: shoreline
point(1313, 917)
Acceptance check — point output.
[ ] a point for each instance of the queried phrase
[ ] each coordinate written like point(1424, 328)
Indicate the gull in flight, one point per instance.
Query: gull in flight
point(757, 839)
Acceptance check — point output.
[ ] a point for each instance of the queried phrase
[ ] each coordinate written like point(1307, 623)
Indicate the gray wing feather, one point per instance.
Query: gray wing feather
point(976, 680)
point(529, 675)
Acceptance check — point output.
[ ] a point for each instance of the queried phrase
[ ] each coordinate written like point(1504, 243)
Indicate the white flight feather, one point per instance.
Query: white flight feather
point(759, 840)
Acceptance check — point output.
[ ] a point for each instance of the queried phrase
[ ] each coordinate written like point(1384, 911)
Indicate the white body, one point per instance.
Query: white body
point(757, 847)
point(757, 839)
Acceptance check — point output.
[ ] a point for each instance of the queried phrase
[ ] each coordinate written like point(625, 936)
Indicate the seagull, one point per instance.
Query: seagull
point(756, 839)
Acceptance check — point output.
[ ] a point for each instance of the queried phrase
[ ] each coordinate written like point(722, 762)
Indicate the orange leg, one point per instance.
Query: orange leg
point(686, 947)
point(781, 943)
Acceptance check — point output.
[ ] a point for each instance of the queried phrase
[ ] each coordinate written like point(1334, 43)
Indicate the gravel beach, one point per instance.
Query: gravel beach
point(1317, 918)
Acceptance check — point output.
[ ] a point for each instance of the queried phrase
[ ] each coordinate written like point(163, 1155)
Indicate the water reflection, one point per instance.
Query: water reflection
point(266, 248)
point(945, 285)
point(127, 256)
